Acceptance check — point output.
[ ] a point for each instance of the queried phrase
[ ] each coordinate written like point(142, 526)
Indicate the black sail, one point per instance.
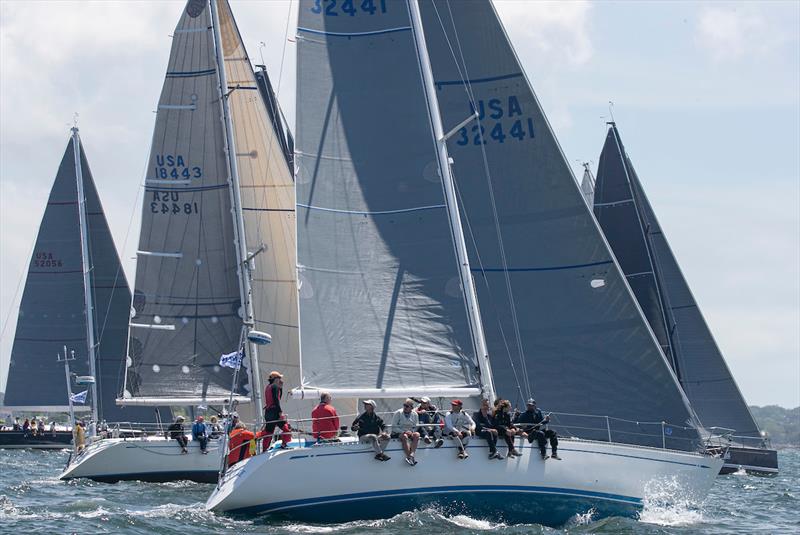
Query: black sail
point(52, 310)
point(630, 224)
point(560, 322)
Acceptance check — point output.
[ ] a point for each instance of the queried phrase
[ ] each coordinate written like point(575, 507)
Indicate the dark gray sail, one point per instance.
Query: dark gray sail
point(380, 299)
point(560, 321)
point(624, 211)
point(186, 303)
point(53, 311)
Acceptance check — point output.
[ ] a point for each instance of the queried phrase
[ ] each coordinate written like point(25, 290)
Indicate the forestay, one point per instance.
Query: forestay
point(698, 361)
point(560, 322)
point(53, 308)
point(268, 206)
point(186, 306)
point(380, 300)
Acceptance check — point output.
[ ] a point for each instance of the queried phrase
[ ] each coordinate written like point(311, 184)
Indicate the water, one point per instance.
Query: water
point(32, 500)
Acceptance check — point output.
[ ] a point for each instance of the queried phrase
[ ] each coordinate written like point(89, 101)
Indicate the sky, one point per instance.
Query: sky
point(706, 96)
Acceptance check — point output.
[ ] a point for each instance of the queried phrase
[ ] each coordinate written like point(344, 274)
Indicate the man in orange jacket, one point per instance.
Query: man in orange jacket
point(239, 444)
point(324, 419)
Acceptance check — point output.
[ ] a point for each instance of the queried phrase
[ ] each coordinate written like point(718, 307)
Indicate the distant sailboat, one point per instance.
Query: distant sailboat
point(76, 295)
point(216, 250)
point(631, 227)
point(388, 305)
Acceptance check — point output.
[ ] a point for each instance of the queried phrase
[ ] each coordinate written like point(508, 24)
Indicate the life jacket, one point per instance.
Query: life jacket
point(236, 445)
point(269, 398)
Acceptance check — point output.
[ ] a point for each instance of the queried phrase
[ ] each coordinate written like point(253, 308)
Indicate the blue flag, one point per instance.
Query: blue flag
point(80, 397)
point(232, 360)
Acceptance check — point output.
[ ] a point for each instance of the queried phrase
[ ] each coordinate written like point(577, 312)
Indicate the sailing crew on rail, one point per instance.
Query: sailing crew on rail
point(484, 428)
point(371, 430)
point(324, 419)
point(404, 426)
point(508, 431)
point(429, 414)
point(458, 425)
point(272, 405)
point(200, 434)
point(176, 432)
point(535, 425)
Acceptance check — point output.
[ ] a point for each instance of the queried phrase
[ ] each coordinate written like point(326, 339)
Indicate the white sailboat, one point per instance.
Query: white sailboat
point(216, 253)
point(389, 307)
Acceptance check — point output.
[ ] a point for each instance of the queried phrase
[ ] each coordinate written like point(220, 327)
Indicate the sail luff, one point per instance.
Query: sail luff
point(86, 267)
point(459, 244)
point(236, 202)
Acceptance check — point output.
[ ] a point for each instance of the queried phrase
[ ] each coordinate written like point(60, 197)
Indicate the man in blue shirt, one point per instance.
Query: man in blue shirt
point(200, 434)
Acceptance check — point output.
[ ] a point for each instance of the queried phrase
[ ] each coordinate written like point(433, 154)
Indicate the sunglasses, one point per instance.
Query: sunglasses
point(407, 405)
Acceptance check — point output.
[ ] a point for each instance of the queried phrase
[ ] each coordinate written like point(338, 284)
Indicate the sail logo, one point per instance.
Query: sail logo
point(173, 166)
point(44, 259)
point(499, 120)
point(334, 8)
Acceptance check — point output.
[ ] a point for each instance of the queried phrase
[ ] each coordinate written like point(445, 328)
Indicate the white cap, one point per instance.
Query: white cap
point(369, 402)
point(425, 400)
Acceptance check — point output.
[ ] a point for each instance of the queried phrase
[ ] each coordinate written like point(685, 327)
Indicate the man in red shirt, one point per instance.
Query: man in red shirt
point(325, 420)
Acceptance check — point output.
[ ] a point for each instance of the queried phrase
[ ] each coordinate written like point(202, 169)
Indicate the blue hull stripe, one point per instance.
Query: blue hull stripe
point(562, 448)
point(355, 34)
point(552, 491)
point(199, 476)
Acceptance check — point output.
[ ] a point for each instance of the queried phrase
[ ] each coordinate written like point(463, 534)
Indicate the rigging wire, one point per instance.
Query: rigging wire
point(464, 75)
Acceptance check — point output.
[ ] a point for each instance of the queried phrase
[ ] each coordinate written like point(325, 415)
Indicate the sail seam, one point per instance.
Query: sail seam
point(478, 80)
point(549, 268)
point(355, 34)
point(189, 190)
point(614, 203)
point(190, 74)
point(378, 212)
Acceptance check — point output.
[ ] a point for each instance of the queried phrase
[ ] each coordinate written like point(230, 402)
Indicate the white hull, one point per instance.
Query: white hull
point(343, 482)
point(145, 459)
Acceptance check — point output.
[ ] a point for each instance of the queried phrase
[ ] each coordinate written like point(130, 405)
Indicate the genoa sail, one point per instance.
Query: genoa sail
point(381, 306)
point(187, 308)
point(560, 321)
point(53, 307)
point(632, 229)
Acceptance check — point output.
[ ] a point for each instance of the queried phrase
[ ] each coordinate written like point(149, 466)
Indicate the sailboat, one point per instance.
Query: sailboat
point(216, 252)
point(632, 229)
point(389, 307)
point(76, 296)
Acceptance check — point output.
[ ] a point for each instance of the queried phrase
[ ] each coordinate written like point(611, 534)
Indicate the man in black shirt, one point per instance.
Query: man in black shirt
point(370, 429)
point(535, 424)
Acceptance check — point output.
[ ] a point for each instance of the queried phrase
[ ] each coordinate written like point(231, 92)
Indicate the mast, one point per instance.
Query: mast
point(85, 267)
point(467, 283)
point(243, 263)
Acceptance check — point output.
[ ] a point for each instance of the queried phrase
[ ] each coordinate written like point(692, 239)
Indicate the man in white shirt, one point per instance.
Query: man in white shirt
point(405, 423)
point(459, 425)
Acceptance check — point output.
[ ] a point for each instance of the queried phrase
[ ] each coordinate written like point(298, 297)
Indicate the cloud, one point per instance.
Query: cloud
point(730, 33)
point(555, 31)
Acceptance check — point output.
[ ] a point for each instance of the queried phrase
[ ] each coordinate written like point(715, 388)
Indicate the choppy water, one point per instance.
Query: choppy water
point(32, 500)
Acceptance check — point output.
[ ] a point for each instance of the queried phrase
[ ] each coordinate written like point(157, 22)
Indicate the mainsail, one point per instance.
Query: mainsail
point(52, 311)
point(187, 308)
point(381, 305)
point(560, 322)
point(631, 227)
